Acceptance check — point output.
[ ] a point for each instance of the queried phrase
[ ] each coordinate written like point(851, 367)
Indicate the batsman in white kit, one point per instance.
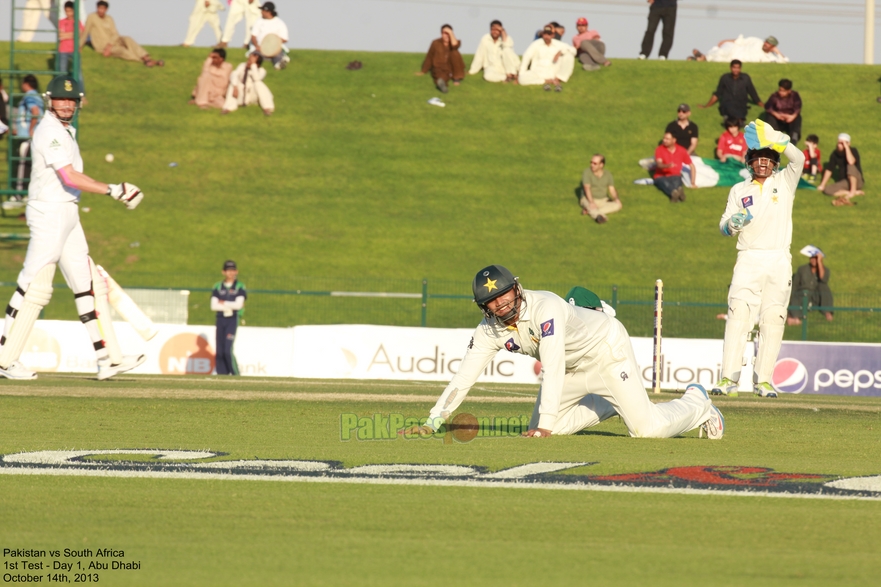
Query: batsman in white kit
point(57, 238)
point(759, 214)
point(590, 369)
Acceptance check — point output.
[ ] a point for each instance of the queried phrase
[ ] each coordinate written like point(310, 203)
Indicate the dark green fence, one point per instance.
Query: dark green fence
point(290, 301)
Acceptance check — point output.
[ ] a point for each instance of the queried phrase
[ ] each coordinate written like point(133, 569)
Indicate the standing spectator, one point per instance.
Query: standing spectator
point(844, 165)
point(65, 45)
point(204, 12)
point(4, 109)
point(228, 300)
point(599, 197)
point(813, 159)
point(246, 87)
point(239, 9)
point(732, 93)
point(684, 130)
point(669, 160)
point(495, 55)
point(813, 279)
point(27, 115)
point(759, 215)
point(101, 31)
point(444, 61)
point(732, 144)
point(783, 110)
point(543, 62)
point(590, 50)
point(210, 90)
point(659, 10)
point(270, 24)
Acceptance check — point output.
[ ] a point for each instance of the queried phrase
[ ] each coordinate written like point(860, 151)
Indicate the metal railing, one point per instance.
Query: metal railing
point(291, 301)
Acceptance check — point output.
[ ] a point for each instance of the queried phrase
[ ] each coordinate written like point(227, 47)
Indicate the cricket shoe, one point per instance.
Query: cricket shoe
point(698, 388)
point(725, 387)
point(16, 370)
point(106, 369)
point(764, 389)
point(715, 426)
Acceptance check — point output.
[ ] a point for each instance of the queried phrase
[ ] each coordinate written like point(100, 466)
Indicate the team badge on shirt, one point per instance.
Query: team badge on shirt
point(747, 201)
point(547, 328)
point(511, 345)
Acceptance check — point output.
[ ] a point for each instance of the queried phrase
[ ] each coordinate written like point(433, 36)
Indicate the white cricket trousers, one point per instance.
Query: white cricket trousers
point(57, 237)
point(199, 20)
point(612, 384)
point(238, 10)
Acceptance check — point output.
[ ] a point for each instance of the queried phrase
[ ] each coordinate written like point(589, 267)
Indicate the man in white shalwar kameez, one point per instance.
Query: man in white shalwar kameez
point(748, 50)
point(239, 9)
point(205, 12)
point(543, 63)
point(248, 88)
point(495, 55)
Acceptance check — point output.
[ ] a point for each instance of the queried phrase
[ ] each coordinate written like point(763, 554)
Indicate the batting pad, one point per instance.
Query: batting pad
point(35, 299)
point(127, 308)
point(102, 308)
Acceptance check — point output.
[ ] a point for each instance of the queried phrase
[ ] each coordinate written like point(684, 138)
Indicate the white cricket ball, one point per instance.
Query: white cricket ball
point(537, 434)
point(109, 157)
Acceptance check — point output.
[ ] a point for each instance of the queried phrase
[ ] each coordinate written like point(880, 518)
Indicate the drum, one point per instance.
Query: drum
point(271, 46)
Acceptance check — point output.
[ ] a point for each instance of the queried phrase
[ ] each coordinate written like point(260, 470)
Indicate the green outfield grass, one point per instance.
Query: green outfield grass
point(243, 532)
point(356, 176)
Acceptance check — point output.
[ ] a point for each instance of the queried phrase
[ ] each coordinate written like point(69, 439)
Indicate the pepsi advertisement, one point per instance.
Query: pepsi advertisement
point(828, 368)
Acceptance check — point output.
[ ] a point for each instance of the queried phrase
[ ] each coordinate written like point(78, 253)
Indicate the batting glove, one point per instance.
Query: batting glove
point(127, 193)
point(760, 135)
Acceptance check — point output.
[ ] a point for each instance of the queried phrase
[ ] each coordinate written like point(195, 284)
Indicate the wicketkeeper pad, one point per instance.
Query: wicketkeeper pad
point(36, 298)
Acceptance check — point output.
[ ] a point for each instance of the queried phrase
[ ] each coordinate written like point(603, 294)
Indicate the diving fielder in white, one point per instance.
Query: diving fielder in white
point(590, 370)
point(57, 236)
point(759, 214)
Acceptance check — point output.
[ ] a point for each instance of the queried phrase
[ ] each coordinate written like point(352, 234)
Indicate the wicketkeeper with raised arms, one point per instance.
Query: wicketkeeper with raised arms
point(57, 237)
point(590, 369)
point(759, 215)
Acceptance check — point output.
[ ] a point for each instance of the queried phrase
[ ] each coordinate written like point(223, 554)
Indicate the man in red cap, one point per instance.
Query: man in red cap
point(591, 51)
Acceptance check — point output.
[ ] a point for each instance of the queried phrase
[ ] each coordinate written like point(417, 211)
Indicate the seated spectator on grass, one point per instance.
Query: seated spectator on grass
point(210, 90)
point(783, 110)
point(683, 129)
point(590, 51)
point(732, 144)
point(813, 159)
point(270, 24)
point(733, 92)
point(444, 61)
point(844, 167)
point(543, 62)
point(246, 87)
point(748, 50)
point(495, 55)
point(669, 160)
point(599, 198)
point(812, 278)
point(101, 32)
point(65, 45)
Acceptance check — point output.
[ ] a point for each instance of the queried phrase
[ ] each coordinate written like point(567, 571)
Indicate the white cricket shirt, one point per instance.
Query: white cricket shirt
point(53, 147)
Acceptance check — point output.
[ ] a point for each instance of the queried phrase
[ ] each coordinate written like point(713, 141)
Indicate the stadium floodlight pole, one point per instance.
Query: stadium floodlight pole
point(657, 367)
point(869, 43)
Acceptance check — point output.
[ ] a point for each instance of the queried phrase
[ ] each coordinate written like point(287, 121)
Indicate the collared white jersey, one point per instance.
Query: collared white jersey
point(54, 147)
point(539, 57)
point(489, 54)
point(560, 335)
point(770, 204)
point(267, 26)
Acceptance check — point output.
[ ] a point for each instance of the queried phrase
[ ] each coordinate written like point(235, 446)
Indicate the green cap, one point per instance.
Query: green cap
point(583, 298)
point(772, 41)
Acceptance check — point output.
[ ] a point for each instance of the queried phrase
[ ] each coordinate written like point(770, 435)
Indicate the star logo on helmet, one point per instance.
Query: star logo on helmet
point(490, 284)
